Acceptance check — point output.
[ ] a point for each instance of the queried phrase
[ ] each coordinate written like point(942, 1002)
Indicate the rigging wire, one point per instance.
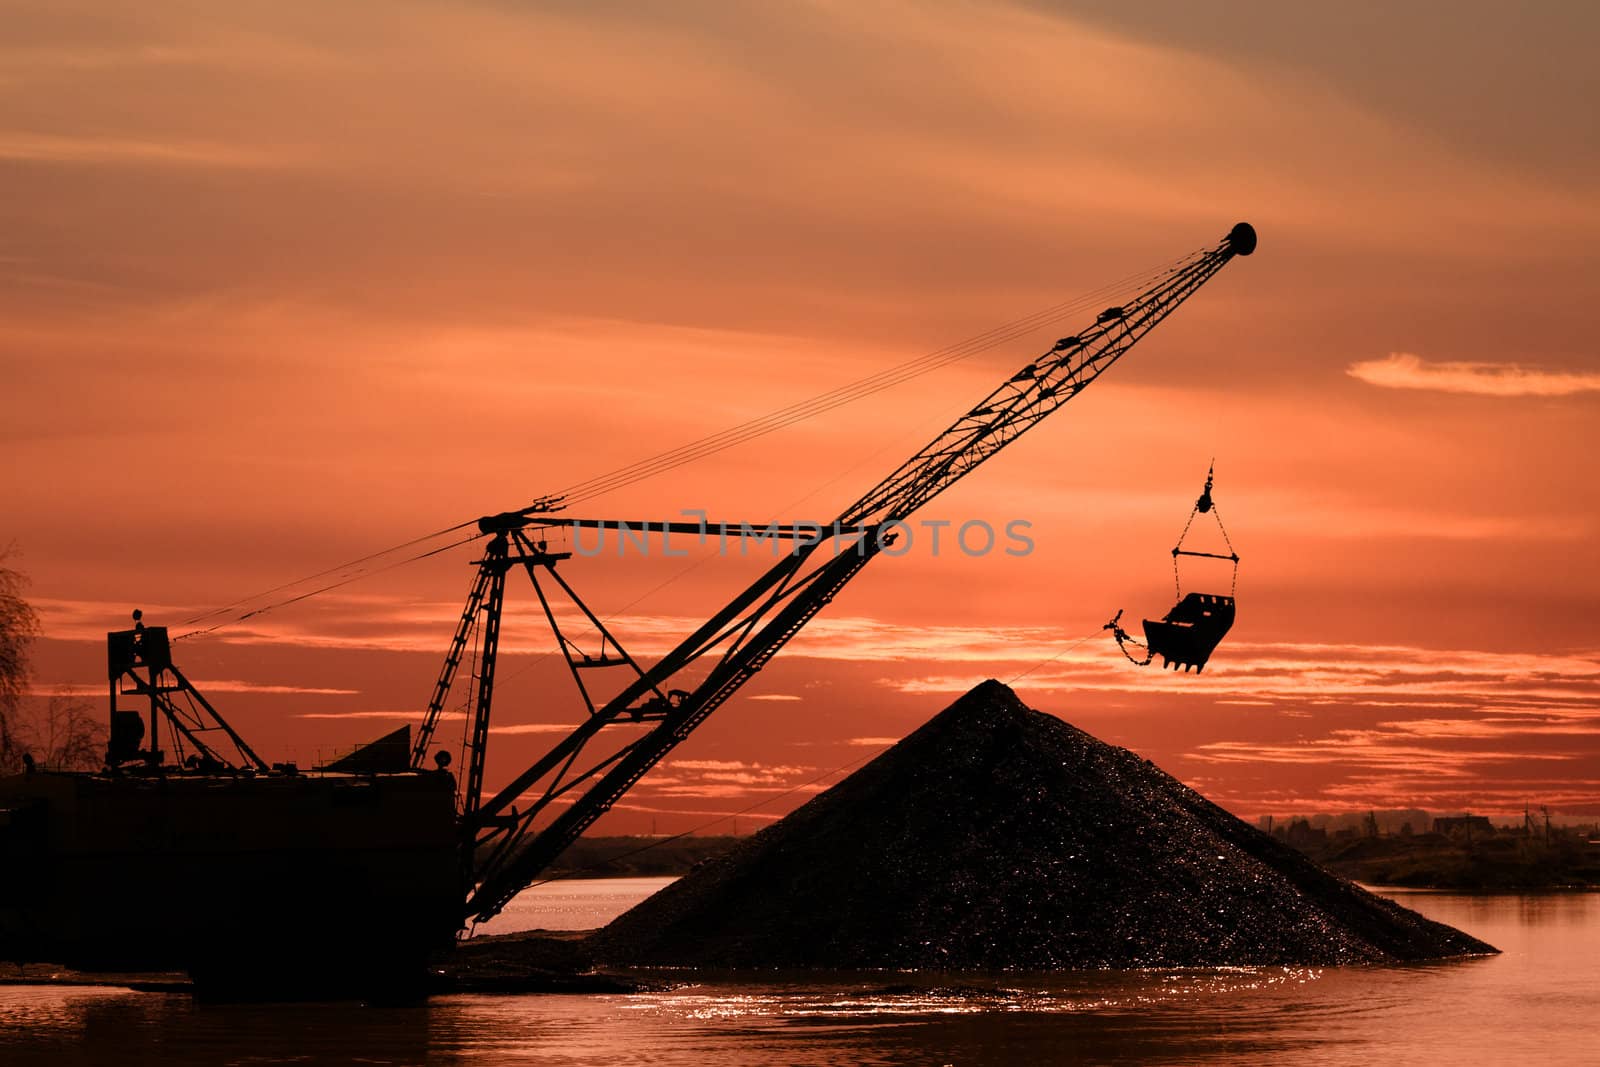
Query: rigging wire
point(1051, 659)
point(343, 581)
point(228, 615)
point(845, 394)
point(323, 574)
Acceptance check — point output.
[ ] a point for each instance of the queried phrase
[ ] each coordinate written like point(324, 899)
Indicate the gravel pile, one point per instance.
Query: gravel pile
point(999, 837)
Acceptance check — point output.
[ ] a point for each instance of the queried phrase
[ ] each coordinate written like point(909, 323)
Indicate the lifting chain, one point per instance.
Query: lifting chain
point(1124, 639)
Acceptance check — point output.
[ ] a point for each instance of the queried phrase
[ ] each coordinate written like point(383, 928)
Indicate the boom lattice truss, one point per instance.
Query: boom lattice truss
point(512, 836)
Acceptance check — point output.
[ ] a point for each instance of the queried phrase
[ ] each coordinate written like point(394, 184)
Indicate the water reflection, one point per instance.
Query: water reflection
point(98, 1025)
point(1529, 1004)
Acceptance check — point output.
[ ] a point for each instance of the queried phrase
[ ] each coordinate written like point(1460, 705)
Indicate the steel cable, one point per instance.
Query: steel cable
point(228, 614)
point(845, 394)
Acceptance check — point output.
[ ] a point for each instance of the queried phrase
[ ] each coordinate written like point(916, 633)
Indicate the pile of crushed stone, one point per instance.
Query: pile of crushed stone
point(996, 836)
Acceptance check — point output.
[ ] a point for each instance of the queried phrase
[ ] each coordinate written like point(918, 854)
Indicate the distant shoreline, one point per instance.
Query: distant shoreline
point(637, 856)
point(1498, 863)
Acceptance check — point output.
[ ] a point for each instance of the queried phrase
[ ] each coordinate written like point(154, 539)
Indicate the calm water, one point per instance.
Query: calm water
point(578, 904)
point(1536, 1003)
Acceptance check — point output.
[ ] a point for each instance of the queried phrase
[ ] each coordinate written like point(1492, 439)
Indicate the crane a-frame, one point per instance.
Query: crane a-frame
point(509, 838)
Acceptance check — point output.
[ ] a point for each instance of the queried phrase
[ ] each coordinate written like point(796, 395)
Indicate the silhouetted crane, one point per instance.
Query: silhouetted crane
point(502, 850)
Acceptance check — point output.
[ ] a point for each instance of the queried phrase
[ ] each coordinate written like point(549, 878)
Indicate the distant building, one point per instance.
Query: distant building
point(1451, 825)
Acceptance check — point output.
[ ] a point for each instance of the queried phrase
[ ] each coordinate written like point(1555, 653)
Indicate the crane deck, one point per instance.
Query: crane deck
point(311, 882)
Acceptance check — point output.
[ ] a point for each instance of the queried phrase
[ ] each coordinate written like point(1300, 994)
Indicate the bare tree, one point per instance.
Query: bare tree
point(19, 625)
point(66, 735)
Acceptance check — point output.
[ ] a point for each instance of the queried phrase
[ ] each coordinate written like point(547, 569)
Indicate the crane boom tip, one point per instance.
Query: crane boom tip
point(1241, 240)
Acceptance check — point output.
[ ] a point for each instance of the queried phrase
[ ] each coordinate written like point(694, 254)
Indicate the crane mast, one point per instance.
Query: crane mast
point(502, 850)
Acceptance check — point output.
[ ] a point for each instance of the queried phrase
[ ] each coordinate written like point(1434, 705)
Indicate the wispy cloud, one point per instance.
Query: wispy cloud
point(690, 777)
point(950, 659)
point(1274, 674)
point(415, 715)
point(1364, 748)
point(719, 815)
point(55, 148)
point(1403, 370)
point(727, 780)
point(412, 714)
point(1356, 726)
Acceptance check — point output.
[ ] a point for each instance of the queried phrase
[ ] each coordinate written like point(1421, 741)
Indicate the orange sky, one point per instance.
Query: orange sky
point(287, 283)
